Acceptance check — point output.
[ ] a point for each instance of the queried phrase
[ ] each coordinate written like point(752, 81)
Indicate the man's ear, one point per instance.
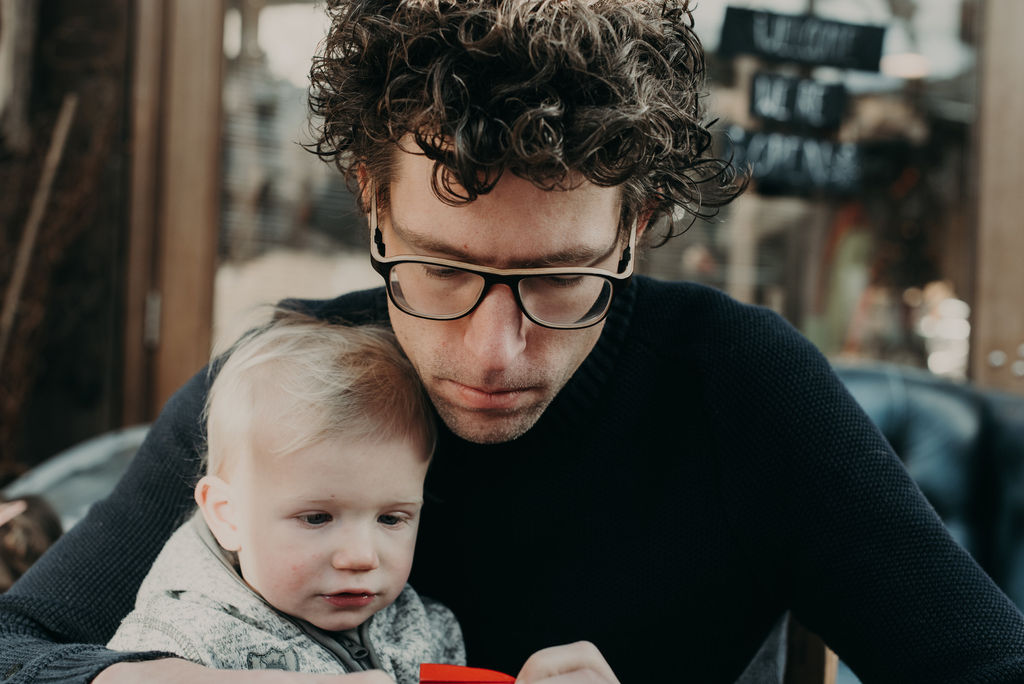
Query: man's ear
point(220, 510)
point(643, 221)
point(365, 193)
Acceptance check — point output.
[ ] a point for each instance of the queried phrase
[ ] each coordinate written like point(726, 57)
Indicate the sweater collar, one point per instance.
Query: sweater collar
point(574, 403)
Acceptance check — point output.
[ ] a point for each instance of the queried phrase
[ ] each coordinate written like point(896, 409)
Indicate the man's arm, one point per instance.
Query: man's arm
point(54, 620)
point(833, 523)
point(174, 671)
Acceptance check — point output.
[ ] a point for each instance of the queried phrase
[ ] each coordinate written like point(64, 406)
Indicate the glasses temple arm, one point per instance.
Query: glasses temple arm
point(624, 261)
point(627, 254)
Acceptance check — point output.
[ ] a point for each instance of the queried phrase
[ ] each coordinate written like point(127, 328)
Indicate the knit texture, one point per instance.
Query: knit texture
point(702, 472)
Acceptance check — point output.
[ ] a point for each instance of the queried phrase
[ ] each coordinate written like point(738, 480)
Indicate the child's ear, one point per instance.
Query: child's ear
point(219, 509)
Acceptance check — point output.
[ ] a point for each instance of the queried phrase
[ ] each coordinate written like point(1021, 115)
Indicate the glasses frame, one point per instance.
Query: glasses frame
point(496, 276)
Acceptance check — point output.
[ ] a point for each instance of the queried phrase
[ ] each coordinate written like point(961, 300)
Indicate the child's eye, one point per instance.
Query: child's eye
point(315, 519)
point(390, 520)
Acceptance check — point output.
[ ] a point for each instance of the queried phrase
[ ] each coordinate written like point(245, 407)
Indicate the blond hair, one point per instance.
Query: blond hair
point(298, 380)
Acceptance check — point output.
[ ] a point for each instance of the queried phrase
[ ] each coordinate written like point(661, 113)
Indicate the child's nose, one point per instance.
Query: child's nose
point(355, 552)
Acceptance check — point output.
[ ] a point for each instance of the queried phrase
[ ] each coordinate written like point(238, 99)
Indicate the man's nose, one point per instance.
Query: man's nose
point(355, 551)
point(496, 330)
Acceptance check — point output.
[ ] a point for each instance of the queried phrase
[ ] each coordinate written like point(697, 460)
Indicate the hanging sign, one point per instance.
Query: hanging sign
point(797, 101)
point(803, 39)
point(793, 164)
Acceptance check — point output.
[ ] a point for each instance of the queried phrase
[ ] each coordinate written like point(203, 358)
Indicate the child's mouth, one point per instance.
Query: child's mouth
point(350, 599)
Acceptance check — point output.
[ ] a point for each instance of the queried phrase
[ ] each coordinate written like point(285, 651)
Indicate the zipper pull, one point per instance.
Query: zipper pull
point(359, 653)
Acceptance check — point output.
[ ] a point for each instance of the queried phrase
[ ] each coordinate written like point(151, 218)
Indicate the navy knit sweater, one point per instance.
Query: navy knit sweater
point(702, 472)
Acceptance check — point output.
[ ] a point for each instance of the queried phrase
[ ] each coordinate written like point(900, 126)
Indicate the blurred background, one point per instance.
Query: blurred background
point(154, 192)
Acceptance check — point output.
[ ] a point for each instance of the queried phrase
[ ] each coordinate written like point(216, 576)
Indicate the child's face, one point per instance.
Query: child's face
point(327, 533)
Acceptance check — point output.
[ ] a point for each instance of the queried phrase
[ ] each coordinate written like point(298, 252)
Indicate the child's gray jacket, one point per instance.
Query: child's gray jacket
point(195, 605)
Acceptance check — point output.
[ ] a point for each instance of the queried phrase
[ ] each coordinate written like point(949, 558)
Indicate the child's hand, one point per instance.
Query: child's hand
point(175, 671)
point(578, 663)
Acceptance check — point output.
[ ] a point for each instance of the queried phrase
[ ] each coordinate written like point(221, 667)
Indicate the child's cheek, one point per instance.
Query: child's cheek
point(298, 564)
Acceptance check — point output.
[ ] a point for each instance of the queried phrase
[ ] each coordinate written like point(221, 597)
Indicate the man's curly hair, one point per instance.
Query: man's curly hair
point(554, 91)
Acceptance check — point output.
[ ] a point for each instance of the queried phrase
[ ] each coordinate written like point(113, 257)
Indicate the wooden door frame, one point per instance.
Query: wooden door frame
point(997, 335)
point(175, 191)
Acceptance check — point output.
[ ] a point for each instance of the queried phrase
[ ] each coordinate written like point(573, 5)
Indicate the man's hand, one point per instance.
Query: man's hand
point(578, 663)
point(174, 671)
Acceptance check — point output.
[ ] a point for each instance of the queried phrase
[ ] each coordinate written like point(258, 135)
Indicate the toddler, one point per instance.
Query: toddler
point(318, 442)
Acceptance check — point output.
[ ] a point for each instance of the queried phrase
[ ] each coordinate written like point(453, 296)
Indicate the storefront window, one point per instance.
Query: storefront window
point(856, 121)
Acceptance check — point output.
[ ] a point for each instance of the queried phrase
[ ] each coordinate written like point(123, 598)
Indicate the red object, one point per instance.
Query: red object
point(433, 673)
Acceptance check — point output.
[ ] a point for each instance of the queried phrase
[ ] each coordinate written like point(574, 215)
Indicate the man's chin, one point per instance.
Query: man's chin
point(485, 427)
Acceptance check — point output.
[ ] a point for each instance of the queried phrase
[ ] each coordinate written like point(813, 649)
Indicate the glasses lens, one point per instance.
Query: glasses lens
point(435, 291)
point(566, 300)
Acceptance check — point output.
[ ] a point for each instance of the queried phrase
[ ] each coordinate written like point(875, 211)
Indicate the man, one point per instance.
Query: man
point(635, 481)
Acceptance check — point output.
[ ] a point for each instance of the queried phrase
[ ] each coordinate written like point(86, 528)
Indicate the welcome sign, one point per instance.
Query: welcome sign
point(803, 39)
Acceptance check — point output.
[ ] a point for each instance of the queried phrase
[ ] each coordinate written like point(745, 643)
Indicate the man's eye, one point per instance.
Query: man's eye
point(316, 519)
point(442, 272)
point(390, 520)
point(563, 281)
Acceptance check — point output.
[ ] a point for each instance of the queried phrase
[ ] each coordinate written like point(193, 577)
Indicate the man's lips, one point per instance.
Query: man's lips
point(350, 599)
point(487, 398)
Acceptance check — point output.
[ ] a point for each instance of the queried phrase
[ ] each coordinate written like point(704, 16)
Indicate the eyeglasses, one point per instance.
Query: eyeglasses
point(443, 289)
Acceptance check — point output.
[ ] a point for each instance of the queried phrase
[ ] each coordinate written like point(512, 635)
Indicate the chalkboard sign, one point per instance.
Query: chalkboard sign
point(801, 38)
point(797, 165)
point(797, 101)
